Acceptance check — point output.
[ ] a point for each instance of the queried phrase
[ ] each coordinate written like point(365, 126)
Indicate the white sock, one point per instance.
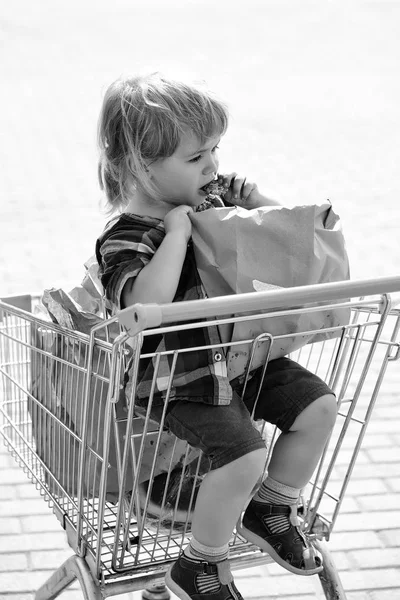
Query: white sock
point(206, 583)
point(212, 554)
point(273, 492)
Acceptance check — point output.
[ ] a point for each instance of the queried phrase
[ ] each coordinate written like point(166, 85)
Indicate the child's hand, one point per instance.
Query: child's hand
point(178, 221)
point(240, 191)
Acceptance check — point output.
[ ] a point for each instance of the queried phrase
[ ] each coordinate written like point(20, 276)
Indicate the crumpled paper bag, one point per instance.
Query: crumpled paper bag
point(239, 250)
point(79, 310)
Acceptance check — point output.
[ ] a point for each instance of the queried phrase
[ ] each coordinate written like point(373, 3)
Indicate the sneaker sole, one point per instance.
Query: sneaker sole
point(174, 587)
point(265, 547)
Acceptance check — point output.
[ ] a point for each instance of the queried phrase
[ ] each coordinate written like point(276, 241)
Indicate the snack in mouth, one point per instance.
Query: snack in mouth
point(214, 188)
point(215, 191)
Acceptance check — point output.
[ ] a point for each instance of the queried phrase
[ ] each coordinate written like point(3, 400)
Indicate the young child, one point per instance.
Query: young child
point(158, 140)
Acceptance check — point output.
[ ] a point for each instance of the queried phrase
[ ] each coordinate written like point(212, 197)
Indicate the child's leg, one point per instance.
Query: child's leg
point(222, 496)
point(271, 518)
point(238, 454)
point(297, 452)
point(294, 402)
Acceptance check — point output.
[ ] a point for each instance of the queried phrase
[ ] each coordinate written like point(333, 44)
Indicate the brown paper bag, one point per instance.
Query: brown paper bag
point(240, 250)
point(63, 397)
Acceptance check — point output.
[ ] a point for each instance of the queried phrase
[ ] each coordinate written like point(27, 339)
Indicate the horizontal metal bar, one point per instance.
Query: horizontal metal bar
point(277, 313)
point(142, 316)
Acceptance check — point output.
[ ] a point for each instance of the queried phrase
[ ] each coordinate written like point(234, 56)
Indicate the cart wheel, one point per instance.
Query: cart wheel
point(156, 592)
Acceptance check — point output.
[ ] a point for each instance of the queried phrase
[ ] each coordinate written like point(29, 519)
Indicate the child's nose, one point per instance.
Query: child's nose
point(212, 165)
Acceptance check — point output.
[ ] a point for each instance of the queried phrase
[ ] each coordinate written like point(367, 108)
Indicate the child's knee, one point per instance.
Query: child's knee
point(250, 464)
point(320, 414)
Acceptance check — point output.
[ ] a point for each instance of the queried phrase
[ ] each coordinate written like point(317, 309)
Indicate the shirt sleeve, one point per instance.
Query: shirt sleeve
point(122, 253)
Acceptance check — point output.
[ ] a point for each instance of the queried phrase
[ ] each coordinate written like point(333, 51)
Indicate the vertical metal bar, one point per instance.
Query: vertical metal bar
point(367, 417)
point(140, 458)
point(321, 461)
point(112, 397)
point(137, 341)
point(313, 511)
point(83, 447)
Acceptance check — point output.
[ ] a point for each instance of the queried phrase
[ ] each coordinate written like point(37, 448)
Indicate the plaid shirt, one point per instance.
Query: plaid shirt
point(126, 246)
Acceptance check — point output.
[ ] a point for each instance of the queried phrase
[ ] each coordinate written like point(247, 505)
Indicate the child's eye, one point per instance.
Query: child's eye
point(197, 158)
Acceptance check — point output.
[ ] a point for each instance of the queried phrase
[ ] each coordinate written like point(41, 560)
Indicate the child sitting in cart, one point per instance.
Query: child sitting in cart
point(159, 140)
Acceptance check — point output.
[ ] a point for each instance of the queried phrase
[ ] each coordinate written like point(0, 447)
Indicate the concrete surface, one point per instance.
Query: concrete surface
point(314, 92)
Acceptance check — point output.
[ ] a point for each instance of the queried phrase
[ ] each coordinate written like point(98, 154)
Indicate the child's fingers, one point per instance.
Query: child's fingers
point(186, 208)
point(226, 179)
point(241, 189)
point(237, 187)
point(247, 188)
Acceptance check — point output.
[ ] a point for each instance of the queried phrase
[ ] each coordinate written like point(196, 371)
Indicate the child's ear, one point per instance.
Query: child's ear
point(149, 170)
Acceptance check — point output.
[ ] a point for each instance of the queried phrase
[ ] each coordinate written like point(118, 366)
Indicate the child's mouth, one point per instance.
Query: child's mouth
point(213, 188)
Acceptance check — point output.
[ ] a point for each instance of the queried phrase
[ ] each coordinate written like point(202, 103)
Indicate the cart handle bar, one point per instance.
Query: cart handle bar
point(138, 317)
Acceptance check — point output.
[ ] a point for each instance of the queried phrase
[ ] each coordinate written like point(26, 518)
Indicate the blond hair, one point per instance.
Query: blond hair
point(142, 120)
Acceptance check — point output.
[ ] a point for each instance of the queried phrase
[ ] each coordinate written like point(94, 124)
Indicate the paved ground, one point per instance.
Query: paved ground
point(314, 92)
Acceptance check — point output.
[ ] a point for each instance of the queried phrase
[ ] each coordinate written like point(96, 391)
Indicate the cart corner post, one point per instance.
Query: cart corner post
point(73, 568)
point(329, 577)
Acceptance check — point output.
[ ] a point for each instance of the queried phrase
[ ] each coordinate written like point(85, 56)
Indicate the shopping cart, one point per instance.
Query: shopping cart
point(123, 487)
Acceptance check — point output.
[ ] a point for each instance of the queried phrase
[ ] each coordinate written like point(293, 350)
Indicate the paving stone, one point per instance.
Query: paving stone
point(40, 523)
point(51, 558)
point(9, 525)
point(384, 470)
point(13, 562)
point(394, 484)
point(354, 540)
point(381, 412)
point(371, 441)
point(390, 537)
point(21, 597)
point(22, 581)
point(368, 520)
point(383, 426)
point(375, 558)
point(379, 502)
point(372, 579)
point(383, 455)
point(349, 505)
point(7, 492)
point(31, 541)
point(27, 490)
point(360, 487)
point(262, 588)
point(77, 595)
point(24, 507)
point(6, 462)
point(391, 594)
point(13, 476)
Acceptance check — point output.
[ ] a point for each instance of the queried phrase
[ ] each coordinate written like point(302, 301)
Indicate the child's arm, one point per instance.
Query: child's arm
point(244, 193)
point(158, 280)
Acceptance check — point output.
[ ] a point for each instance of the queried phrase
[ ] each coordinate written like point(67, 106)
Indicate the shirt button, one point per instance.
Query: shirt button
point(217, 356)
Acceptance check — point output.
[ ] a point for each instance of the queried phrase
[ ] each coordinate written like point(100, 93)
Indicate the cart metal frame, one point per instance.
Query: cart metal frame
point(96, 467)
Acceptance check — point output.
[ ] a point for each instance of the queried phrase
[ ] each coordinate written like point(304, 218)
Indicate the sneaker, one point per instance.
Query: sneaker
point(291, 549)
point(194, 580)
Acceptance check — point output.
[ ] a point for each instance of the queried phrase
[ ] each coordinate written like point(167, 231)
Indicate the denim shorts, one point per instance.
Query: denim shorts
point(225, 433)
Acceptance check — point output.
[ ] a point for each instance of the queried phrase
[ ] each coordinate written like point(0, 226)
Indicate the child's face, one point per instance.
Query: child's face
point(181, 176)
